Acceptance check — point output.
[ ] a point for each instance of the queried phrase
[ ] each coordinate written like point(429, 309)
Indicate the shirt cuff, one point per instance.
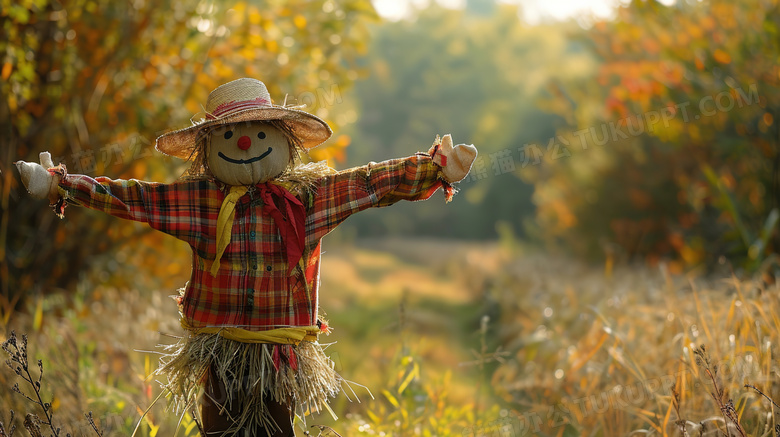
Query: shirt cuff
point(59, 205)
point(436, 160)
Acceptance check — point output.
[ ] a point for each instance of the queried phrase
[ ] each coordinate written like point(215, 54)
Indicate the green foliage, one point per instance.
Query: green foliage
point(477, 74)
point(412, 404)
point(753, 246)
point(674, 137)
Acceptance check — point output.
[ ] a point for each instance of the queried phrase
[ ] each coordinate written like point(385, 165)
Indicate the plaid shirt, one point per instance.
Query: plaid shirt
point(252, 289)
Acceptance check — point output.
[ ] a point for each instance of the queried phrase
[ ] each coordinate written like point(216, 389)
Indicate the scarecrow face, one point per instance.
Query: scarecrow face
point(247, 153)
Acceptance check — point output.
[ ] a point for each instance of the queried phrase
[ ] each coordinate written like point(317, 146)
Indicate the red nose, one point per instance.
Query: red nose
point(244, 143)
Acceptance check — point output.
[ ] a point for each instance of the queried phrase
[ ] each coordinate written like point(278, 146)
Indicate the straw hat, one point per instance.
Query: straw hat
point(244, 99)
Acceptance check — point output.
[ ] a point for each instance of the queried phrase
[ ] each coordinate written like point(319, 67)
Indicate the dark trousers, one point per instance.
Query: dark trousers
point(215, 424)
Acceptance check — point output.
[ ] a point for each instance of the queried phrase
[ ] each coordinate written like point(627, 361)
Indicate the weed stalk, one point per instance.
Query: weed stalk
point(718, 394)
point(19, 363)
point(10, 433)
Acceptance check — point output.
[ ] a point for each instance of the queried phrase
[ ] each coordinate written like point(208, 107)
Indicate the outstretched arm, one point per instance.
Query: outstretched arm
point(170, 208)
point(383, 184)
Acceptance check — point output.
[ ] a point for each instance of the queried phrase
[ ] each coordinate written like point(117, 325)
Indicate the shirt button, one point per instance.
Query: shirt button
point(252, 234)
point(251, 291)
point(254, 266)
point(268, 268)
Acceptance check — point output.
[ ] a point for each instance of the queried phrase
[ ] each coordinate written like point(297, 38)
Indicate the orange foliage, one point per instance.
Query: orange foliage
point(703, 95)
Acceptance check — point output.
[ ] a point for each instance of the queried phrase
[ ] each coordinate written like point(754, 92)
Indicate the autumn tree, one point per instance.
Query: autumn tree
point(674, 137)
point(95, 81)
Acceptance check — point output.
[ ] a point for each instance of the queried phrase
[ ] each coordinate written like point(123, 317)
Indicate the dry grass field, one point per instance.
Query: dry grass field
point(454, 338)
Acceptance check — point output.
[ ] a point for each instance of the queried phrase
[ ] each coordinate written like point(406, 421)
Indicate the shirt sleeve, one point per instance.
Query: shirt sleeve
point(373, 185)
point(171, 208)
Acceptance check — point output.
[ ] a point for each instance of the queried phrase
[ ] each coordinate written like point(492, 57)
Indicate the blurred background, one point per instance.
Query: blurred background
point(622, 212)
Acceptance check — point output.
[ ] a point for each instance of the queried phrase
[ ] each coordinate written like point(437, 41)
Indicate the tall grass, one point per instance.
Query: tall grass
point(597, 354)
point(456, 339)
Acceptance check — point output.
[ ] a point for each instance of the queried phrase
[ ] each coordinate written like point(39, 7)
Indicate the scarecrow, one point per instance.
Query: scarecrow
point(254, 215)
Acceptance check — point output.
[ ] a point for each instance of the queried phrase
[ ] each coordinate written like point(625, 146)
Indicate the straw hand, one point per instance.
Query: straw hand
point(455, 161)
point(36, 177)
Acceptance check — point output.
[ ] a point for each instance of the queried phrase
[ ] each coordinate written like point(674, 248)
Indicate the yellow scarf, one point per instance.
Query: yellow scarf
point(225, 223)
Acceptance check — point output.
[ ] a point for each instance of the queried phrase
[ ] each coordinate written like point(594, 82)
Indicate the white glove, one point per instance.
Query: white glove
point(455, 161)
point(36, 177)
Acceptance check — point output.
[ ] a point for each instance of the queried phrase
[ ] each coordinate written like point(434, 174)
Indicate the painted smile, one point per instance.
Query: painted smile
point(245, 161)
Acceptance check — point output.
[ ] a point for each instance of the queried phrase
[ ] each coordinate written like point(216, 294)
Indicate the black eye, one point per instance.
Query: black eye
point(261, 135)
point(228, 134)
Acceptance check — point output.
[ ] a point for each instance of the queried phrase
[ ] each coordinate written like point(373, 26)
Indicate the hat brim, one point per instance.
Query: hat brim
point(310, 129)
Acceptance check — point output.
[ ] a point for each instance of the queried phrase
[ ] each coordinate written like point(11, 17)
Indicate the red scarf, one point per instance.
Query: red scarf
point(290, 220)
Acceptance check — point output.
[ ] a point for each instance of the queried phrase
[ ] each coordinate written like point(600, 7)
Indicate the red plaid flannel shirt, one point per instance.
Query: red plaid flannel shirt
point(252, 289)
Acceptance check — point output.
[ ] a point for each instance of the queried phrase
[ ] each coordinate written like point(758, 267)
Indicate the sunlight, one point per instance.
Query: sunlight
point(534, 11)
point(391, 9)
